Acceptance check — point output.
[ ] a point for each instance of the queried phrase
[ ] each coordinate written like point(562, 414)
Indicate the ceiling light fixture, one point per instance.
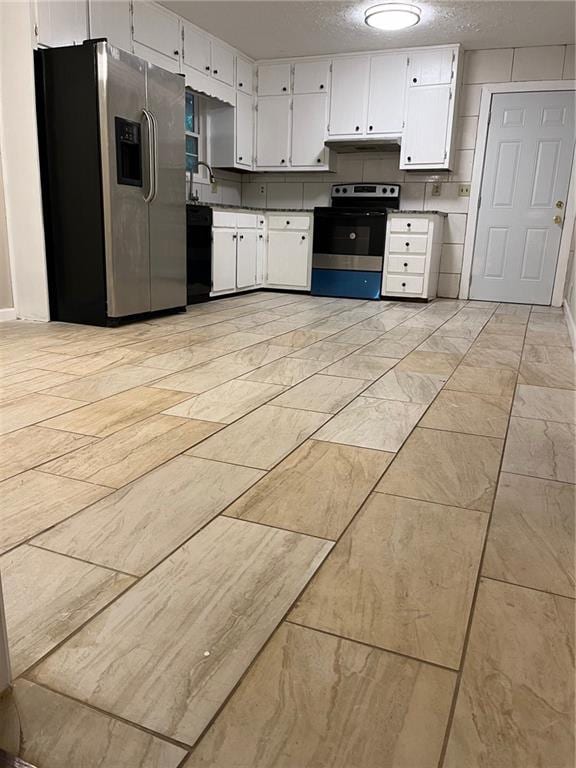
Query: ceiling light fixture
point(392, 16)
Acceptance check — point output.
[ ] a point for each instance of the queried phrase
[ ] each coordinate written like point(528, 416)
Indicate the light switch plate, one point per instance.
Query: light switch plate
point(437, 189)
point(464, 190)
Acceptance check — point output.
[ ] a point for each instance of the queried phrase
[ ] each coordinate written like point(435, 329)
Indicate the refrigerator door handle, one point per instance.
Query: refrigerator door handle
point(151, 156)
point(155, 124)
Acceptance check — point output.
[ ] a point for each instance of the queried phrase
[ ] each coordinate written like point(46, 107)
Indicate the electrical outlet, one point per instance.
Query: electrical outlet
point(261, 189)
point(436, 190)
point(464, 190)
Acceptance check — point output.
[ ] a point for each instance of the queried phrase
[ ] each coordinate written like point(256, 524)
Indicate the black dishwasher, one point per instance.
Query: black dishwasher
point(198, 252)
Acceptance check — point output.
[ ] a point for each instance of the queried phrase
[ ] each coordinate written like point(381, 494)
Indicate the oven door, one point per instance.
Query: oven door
point(349, 239)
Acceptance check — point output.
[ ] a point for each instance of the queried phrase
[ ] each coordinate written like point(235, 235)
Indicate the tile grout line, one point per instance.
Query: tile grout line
point(472, 610)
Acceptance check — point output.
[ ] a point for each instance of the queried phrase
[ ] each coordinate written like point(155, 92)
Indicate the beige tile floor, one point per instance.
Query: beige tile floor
point(282, 531)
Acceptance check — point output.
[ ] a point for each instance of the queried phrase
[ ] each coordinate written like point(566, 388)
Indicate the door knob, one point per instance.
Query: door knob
point(559, 204)
point(557, 219)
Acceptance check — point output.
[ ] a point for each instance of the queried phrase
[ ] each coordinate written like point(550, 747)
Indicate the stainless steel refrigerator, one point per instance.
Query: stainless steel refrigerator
point(111, 133)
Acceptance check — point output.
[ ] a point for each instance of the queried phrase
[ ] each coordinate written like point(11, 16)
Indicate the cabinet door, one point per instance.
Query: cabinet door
point(196, 49)
point(348, 96)
point(246, 259)
point(387, 91)
point(111, 20)
point(224, 259)
point(156, 29)
point(288, 259)
point(309, 123)
point(311, 76)
point(244, 129)
point(222, 64)
point(260, 257)
point(273, 132)
point(61, 22)
point(432, 67)
point(244, 75)
point(426, 133)
point(273, 79)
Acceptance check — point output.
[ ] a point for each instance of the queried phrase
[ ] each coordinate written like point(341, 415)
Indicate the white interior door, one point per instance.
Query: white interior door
point(526, 175)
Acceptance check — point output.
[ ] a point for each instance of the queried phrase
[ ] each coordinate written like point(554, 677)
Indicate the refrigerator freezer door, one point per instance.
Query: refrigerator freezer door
point(125, 148)
point(167, 209)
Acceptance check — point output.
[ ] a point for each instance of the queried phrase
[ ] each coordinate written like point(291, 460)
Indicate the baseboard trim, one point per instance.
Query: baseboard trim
point(8, 314)
point(571, 324)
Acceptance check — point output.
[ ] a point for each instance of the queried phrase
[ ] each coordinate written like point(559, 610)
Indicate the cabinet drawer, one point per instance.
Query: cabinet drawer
point(404, 284)
point(289, 222)
point(248, 220)
point(409, 225)
point(410, 264)
point(408, 244)
point(223, 219)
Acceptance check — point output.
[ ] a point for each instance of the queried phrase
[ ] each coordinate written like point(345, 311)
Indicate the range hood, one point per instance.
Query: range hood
point(346, 146)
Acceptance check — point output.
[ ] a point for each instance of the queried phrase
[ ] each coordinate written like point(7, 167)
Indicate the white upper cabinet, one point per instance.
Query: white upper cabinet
point(222, 64)
point(61, 22)
point(311, 76)
point(426, 138)
point(431, 66)
point(309, 119)
point(157, 29)
point(111, 19)
point(273, 79)
point(349, 95)
point(244, 129)
point(196, 49)
point(244, 75)
point(273, 132)
point(387, 92)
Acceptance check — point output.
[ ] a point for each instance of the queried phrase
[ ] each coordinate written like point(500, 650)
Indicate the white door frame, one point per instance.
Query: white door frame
point(477, 177)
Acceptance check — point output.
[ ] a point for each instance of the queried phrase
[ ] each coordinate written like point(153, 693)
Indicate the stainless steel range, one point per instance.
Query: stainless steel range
point(348, 252)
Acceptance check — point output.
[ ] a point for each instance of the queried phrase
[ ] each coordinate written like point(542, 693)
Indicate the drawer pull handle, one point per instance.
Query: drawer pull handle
point(403, 285)
point(408, 225)
point(407, 245)
point(405, 263)
point(261, 237)
point(282, 161)
point(207, 69)
point(287, 222)
point(303, 237)
point(240, 85)
point(321, 86)
point(241, 237)
point(284, 88)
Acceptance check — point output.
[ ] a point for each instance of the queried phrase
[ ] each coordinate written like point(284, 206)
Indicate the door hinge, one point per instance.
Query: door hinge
point(403, 123)
point(408, 61)
point(489, 118)
point(445, 154)
point(36, 30)
point(479, 201)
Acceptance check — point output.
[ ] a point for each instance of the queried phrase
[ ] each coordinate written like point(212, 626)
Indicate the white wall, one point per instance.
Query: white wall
point(19, 150)
point(554, 62)
point(6, 299)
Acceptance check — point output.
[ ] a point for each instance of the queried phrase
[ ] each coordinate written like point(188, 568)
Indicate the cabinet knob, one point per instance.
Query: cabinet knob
point(414, 79)
point(240, 85)
point(287, 222)
point(409, 159)
point(403, 285)
point(370, 127)
point(241, 237)
point(282, 161)
point(207, 69)
point(321, 86)
point(261, 221)
point(357, 128)
point(318, 159)
point(234, 237)
point(284, 88)
point(215, 71)
point(407, 245)
point(176, 53)
point(261, 237)
point(408, 224)
point(303, 237)
point(405, 263)
point(240, 158)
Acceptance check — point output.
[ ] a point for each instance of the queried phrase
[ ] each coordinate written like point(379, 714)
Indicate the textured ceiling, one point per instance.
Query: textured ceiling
point(276, 28)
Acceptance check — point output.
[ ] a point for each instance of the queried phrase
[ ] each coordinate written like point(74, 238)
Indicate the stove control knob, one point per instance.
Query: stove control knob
point(337, 191)
point(384, 190)
point(344, 189)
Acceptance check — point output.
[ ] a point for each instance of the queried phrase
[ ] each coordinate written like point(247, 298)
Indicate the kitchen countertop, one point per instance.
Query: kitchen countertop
point(223, 207)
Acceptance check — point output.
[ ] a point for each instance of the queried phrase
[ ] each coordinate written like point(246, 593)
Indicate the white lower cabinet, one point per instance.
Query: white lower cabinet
point(412, 255)
point(288, 260)
point(223, 259)
point(246, 255)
